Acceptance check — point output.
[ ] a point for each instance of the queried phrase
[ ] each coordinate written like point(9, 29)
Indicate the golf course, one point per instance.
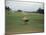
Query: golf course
point(15, 24)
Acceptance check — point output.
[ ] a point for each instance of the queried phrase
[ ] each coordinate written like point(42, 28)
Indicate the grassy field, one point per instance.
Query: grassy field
point(15, 24)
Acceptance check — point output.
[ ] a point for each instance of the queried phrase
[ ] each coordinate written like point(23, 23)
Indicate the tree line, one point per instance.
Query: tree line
point(41, 11)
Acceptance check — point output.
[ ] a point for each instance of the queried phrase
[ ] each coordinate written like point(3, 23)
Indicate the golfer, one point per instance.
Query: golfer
point(25, 19)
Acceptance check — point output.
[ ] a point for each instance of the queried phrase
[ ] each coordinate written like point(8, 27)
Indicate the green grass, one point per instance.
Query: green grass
point(14, 22)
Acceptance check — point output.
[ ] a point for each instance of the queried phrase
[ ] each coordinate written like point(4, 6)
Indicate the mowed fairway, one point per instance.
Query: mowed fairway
point(14, 22)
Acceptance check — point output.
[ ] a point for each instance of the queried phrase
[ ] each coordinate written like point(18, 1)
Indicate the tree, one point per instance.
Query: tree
point(19, 10)
point(7, 8)
point(40, 10)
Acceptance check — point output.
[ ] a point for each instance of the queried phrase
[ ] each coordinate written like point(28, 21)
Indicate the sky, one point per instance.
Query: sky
point(23, 5)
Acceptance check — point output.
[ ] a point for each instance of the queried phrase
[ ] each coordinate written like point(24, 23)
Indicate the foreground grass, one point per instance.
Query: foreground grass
point(14, 22)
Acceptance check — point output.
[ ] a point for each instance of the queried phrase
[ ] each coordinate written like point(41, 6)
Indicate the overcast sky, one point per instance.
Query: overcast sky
point(26, 6)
